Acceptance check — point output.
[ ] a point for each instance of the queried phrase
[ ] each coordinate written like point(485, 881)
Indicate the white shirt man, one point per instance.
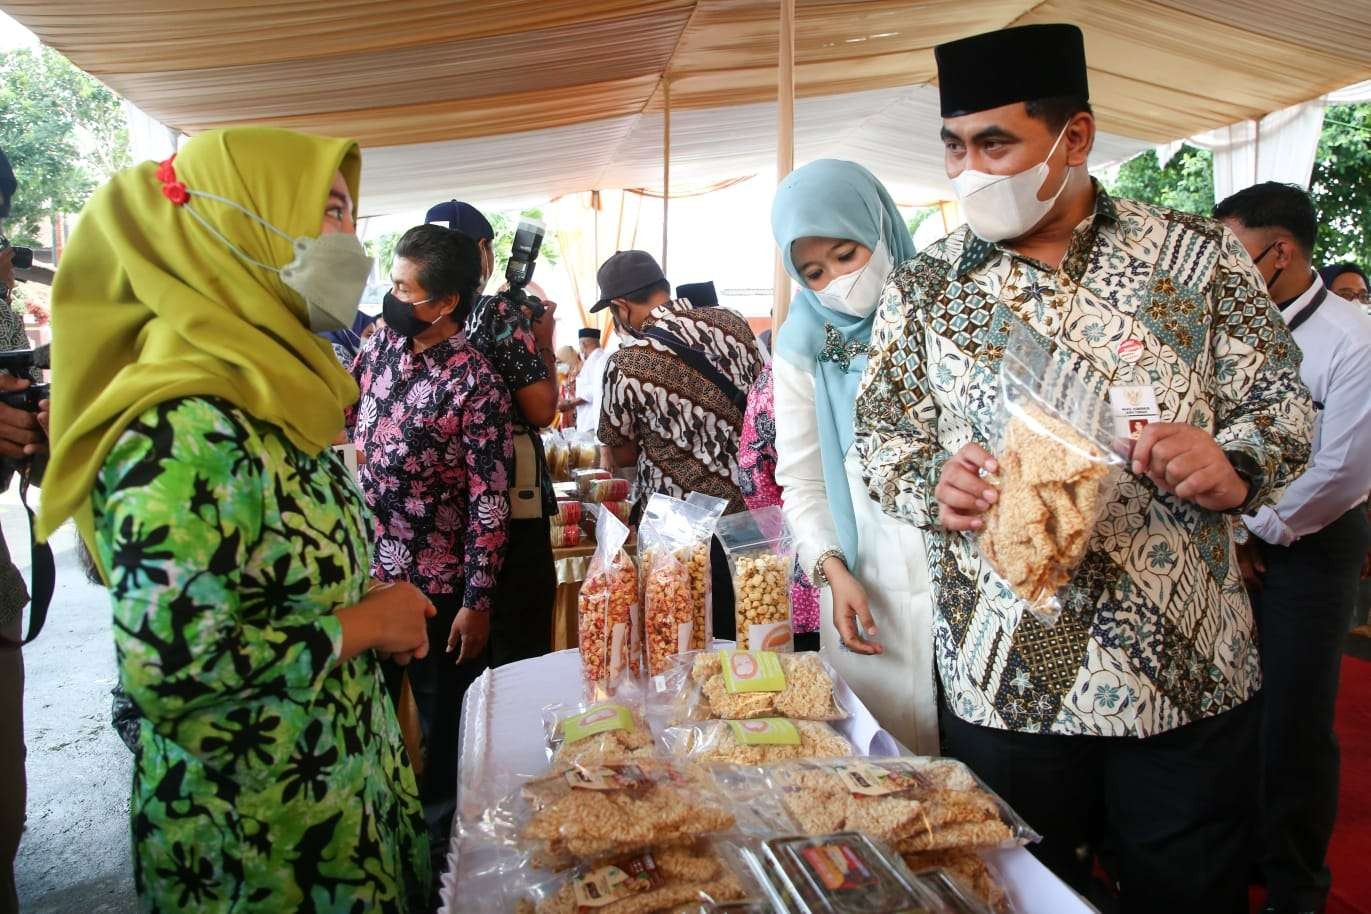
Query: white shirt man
point(590, 381)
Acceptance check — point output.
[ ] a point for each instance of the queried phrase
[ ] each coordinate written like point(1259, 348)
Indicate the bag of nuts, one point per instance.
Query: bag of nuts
point(673, 551)
point(760, 557)
point(609, 624)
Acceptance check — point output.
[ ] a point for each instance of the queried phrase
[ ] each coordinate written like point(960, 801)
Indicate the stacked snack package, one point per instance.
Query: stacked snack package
point(608, 618)
point(673, 550)
point(760, 556)
point(1057, 470)
point(565, 526)
point(558, 453)
point(585, 452)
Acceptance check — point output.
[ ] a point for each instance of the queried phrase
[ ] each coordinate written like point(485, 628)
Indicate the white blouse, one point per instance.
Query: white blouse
point(799, 466)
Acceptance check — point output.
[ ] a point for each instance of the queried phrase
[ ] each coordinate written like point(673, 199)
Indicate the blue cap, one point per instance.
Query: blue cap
point(461, 217)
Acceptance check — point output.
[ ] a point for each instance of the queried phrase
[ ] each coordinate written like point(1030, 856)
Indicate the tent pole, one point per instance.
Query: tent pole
point(666, 163)
point(785, 142)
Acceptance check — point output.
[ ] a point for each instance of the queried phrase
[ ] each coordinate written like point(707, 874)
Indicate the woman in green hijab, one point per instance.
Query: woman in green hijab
point(191, 425)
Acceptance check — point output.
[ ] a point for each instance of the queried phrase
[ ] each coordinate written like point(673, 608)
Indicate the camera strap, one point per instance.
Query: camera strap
point(43, 570)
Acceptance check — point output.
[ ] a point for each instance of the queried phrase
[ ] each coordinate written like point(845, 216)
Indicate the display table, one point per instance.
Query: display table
point(502, 743)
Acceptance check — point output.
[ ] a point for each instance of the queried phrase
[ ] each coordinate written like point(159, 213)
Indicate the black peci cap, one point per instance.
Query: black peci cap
point(588, 333)
point(1011, 65)
point(699, 294)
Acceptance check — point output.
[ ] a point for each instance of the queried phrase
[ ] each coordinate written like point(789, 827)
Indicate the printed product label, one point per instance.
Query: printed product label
point(752, 671)
point(618, 650)
point(775, 636)
point(863, 779)
point(839, 867)
point(609, 777)
point(684, 631)
point(601, 718)
point(1133, 406)
point(608, 884)
point(766, 731)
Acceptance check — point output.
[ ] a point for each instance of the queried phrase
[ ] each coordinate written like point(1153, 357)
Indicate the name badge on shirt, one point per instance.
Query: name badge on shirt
point(1133, 406)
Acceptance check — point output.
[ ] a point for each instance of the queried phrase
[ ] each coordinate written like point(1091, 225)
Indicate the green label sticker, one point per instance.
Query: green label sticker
point(752, 671)
point(766, 731)
point(601, 718)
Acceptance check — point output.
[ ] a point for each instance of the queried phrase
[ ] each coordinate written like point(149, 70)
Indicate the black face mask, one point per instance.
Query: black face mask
point(1279, 270)
point(399, 316)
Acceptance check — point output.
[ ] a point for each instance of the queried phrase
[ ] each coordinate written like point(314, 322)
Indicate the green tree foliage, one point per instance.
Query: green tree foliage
point(63, 133)
point(1186, 183)
point(382, 249)
point(1341, 186)
point(918, 217)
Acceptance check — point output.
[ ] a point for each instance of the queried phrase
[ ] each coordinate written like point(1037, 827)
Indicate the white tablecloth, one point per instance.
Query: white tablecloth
point(503, 744)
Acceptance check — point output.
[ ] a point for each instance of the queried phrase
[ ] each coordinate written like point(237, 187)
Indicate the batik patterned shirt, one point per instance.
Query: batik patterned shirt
point(1157, 630)
point(686, 429)
point(434, 430)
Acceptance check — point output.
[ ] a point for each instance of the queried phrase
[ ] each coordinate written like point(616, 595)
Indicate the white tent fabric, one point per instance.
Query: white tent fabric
point(894, 132)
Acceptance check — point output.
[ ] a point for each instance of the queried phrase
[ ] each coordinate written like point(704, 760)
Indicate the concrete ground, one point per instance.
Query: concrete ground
point(74, 856)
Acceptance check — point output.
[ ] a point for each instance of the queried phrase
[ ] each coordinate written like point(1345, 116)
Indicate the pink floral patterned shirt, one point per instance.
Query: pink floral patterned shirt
point(434, 430)
point(757, 469)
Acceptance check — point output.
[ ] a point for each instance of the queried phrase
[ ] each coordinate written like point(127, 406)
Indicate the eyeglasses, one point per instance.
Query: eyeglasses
point(1361, 297)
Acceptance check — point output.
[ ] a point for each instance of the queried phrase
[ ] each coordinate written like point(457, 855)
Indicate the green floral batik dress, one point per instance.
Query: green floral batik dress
point(270, 777)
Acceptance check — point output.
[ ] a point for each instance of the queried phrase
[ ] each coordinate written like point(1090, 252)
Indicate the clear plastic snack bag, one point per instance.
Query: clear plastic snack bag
point(609, 623)
point(965, 881)
point(597, 732)
point(759, 741)
point(918, 805)
point(673, 552)
point(730, 684)
point(587, 812)
point(673, 878)
point(761, 555)
point(1053, 441)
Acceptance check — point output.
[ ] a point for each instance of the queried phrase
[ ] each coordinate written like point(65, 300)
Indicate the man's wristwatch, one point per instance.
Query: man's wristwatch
point(1241, 535)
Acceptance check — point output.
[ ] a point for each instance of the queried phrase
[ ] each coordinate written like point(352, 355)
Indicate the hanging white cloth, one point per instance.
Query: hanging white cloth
point(1279, 147)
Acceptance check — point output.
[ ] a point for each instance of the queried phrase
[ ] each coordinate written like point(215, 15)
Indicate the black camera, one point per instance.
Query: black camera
point(523, 257)
point(23, 257)
point(20, 363)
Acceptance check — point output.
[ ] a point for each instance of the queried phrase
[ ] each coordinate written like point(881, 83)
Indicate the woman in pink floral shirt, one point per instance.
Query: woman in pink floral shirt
point(757, 465)
point(433, 426)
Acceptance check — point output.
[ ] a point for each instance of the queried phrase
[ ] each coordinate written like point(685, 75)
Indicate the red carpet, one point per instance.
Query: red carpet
point(1349, 856)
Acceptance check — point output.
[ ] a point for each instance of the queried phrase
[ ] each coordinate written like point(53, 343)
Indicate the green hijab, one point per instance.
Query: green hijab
point(149, 306)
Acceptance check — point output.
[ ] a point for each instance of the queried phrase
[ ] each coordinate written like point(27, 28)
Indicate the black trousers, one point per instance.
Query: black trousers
point(439, 684)
point(525, 592)
point(1307, 598)
point(1174, 810)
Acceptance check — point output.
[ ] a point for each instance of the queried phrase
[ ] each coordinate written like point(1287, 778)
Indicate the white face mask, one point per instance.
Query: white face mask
point(1007, 206)
point(859, 292)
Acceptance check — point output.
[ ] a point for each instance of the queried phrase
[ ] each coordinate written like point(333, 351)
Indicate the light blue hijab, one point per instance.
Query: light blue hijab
point(833, 199)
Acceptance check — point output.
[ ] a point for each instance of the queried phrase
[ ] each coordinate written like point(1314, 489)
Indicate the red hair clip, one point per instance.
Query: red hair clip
point(172, 189)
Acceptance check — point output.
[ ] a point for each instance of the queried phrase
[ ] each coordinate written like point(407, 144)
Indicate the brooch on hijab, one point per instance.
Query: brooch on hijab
point(172, 189)
point(838, 352)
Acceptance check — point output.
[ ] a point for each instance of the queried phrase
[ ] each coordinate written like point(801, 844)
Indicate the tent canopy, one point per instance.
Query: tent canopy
point(504, 101)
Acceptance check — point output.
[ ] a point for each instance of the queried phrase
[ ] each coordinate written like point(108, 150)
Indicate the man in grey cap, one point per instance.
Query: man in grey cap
point(674, 395)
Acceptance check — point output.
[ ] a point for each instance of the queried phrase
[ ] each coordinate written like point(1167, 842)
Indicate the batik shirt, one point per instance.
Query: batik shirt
point(685, 427)
point(504, 335)
point(1157, 630)
point(270, 775)
point(434, 430)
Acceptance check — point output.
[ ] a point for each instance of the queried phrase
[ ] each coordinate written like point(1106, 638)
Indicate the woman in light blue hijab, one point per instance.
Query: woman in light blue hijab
point(840, 237)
